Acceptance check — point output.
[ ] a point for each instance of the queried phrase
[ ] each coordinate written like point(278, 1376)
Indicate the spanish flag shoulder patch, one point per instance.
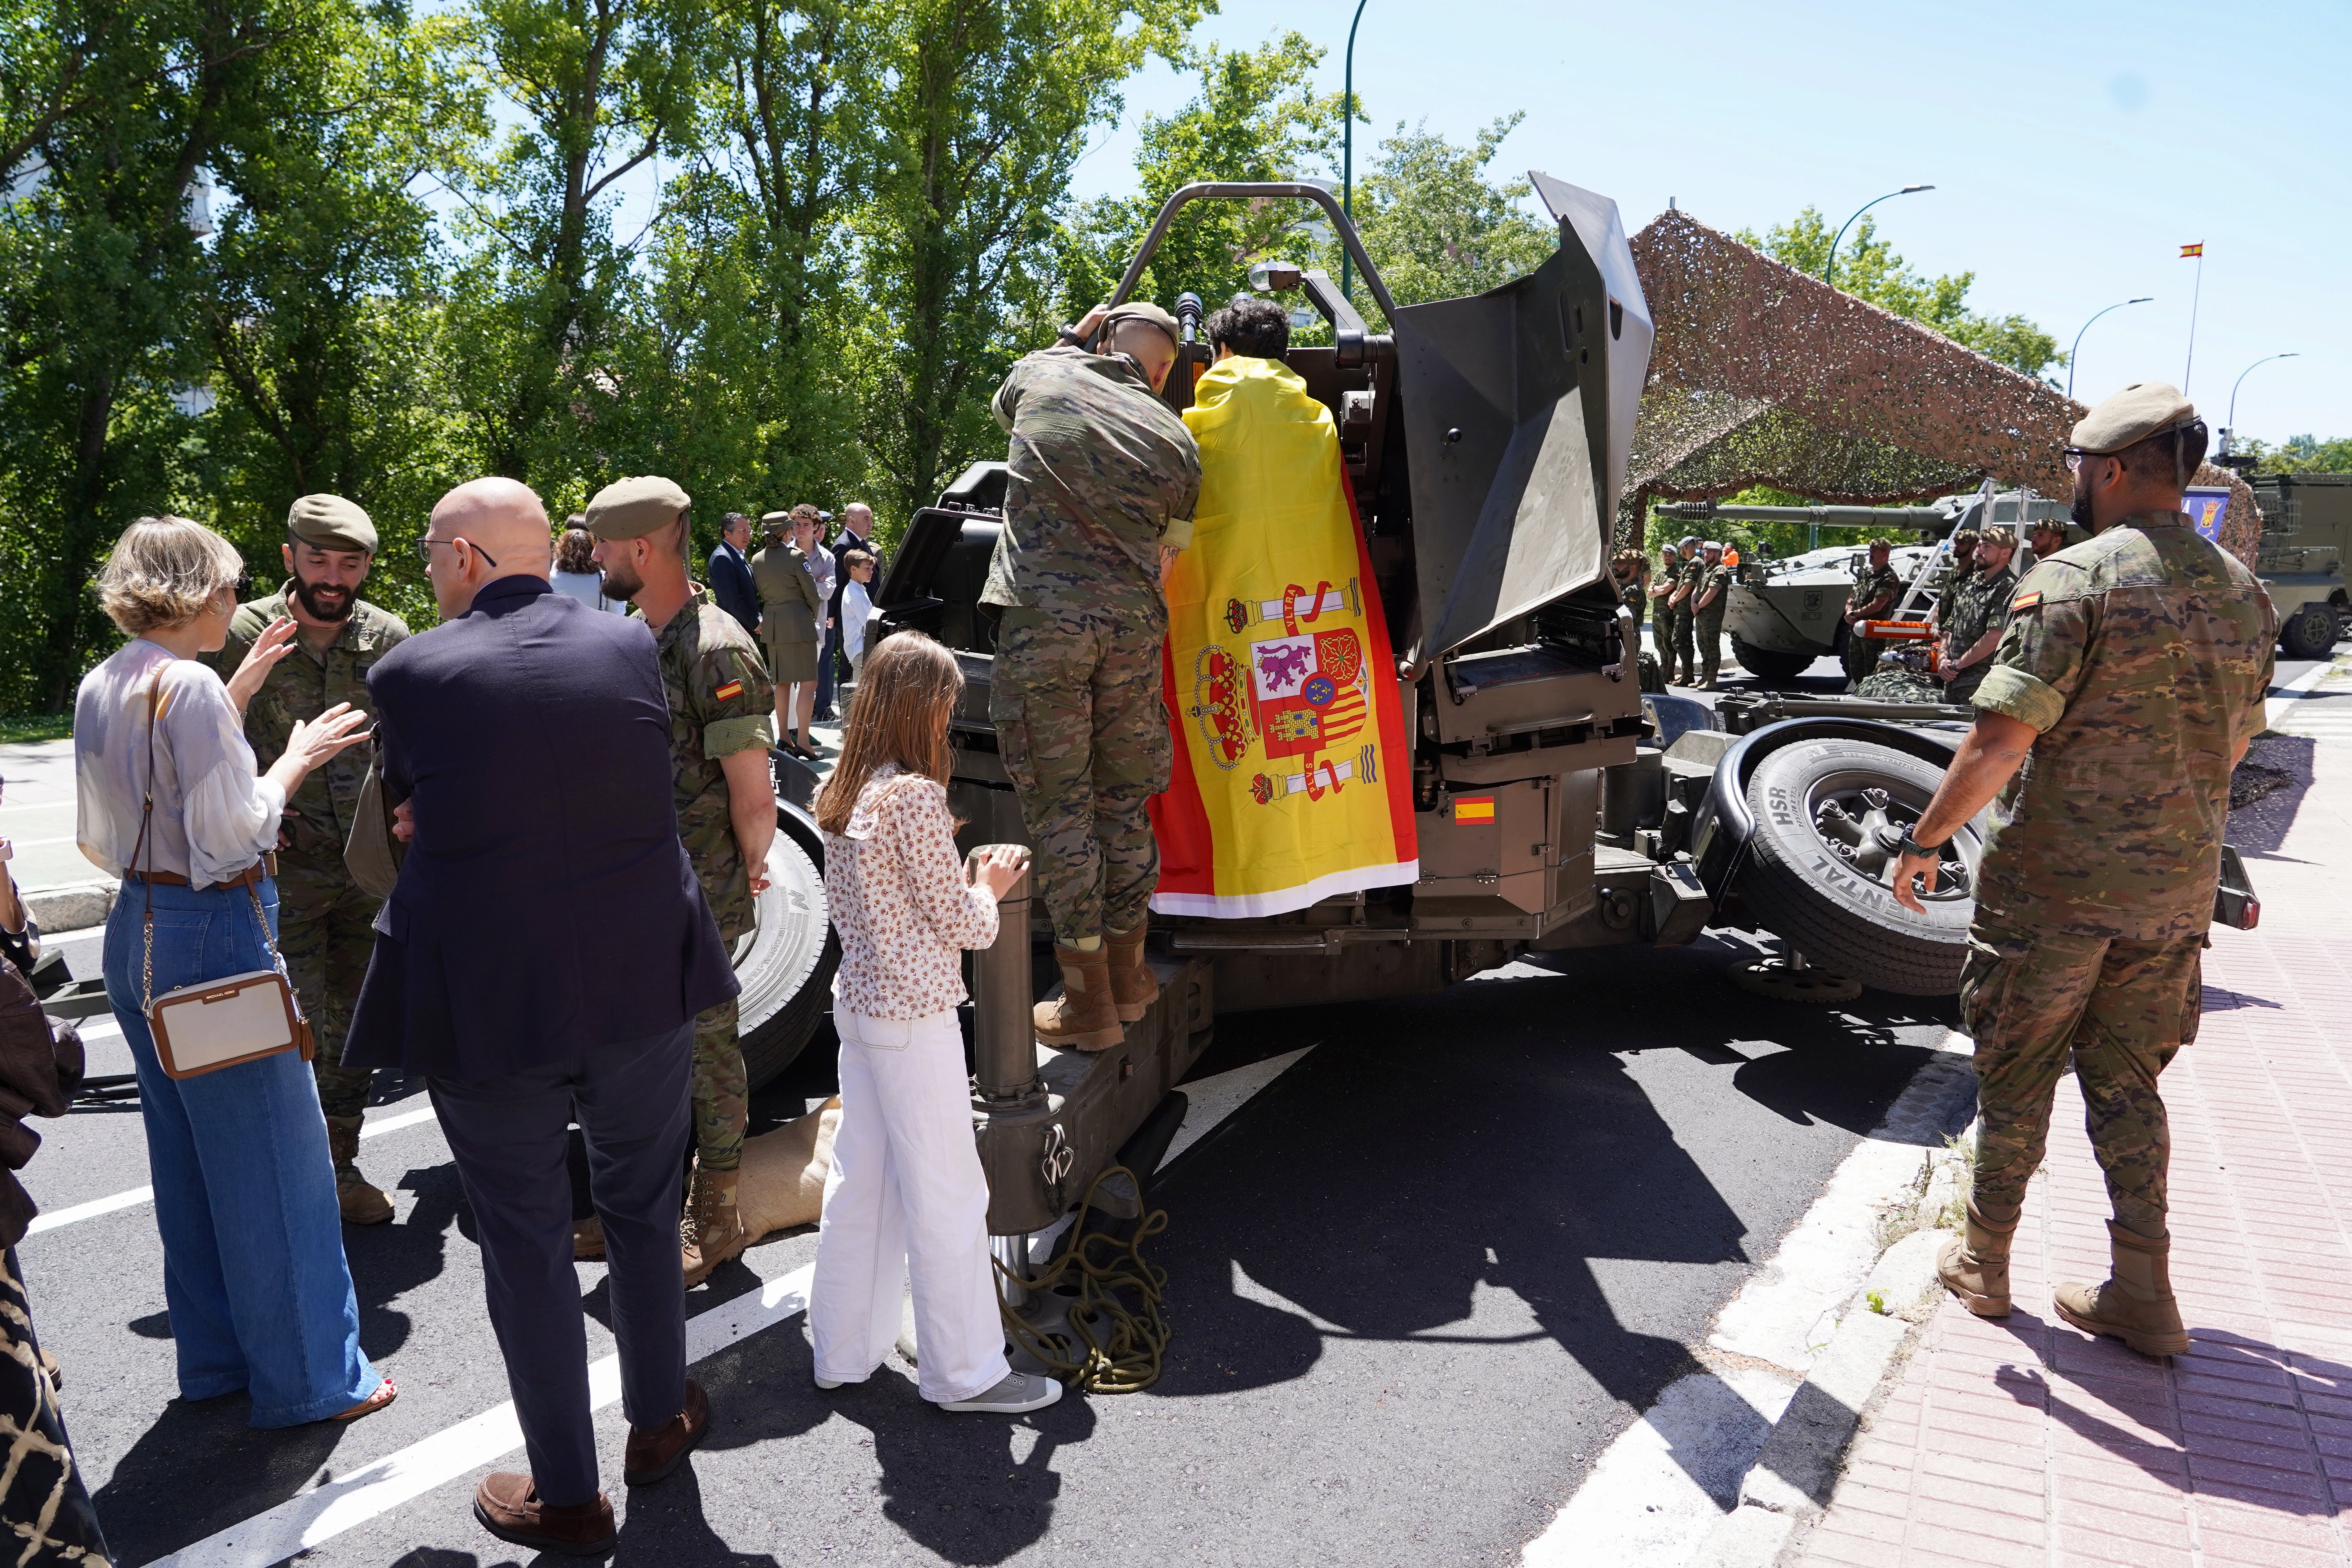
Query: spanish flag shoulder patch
point(2026, 601)
point(1474, 808)
point(732, 689)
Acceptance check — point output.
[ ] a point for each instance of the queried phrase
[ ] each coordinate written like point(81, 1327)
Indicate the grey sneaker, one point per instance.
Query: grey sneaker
point(1020, 1392)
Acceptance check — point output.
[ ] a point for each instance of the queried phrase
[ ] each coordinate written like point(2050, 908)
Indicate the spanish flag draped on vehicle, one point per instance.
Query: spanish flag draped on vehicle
point(1291, 779)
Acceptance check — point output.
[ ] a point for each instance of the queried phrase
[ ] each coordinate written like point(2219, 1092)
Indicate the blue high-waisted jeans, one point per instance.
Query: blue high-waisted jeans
point(254, 1274)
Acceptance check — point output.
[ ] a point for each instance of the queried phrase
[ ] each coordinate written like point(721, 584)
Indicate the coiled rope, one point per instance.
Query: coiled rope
point(1118, 1349)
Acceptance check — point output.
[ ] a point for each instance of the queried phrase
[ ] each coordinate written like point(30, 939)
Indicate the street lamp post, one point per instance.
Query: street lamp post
point(2077, 349)
point(2229, 431)
point(1828, 269)
point(1348, 144)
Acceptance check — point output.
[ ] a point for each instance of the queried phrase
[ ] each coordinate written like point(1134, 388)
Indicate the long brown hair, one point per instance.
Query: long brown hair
point(905, 690)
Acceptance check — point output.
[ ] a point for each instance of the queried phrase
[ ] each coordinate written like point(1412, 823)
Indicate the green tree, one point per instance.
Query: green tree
point(979, 108)
point(2301, 454)
point(1436, 226)
point(1869, 269)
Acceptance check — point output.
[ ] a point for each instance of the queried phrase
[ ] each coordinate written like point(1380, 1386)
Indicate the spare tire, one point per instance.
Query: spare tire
point(786, 962)
point(1817, 866)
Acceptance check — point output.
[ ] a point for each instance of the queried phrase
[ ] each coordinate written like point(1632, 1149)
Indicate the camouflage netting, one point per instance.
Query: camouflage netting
point(1763, 375)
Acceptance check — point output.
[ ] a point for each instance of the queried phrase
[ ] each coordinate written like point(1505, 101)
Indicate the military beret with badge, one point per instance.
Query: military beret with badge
point(331, 522)
point(632, 508)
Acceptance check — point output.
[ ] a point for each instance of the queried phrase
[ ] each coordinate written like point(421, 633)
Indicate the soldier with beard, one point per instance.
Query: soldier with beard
point(325, 921)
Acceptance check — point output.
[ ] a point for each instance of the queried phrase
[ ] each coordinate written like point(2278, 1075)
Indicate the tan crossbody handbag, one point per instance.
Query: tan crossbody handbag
point(213, 1024)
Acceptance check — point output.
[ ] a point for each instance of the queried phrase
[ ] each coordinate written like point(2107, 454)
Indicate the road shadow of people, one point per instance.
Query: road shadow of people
point(162, 1496)
point(2266, 791)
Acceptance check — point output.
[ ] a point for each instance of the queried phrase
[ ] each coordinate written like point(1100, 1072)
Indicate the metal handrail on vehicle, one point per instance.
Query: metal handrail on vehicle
point(1251, 190)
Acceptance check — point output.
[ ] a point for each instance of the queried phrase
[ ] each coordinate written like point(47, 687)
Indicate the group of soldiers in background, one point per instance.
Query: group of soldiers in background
point(721, 699)
point(1689, 593)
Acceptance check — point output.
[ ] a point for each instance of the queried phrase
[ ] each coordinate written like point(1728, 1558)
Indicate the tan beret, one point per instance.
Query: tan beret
point(631, 509)
point(331, 522)
point(2144, 408)
point(1141, 310)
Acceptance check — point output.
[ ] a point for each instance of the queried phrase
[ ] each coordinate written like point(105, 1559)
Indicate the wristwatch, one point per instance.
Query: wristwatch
point(1911, 846)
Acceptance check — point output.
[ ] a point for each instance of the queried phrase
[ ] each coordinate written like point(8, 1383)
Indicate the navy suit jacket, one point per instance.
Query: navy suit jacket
point(731, 585)
point(545, 906)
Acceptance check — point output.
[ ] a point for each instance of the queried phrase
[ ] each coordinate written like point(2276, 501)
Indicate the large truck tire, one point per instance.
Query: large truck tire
point(1768, 664)
point(2311, 631)
point(787, 961)
point(1818, 865)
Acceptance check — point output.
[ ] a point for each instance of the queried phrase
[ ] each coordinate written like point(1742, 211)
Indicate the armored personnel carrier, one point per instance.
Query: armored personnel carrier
point(2307, 529)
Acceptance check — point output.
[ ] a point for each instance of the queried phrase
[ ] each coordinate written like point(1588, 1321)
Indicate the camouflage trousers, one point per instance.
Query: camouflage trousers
point(2124, 1008)
point(1680, 648)
point(722, 1096)
point(1861, 656)
point(326, 931)
point(1075, 700)
point(1708, 630)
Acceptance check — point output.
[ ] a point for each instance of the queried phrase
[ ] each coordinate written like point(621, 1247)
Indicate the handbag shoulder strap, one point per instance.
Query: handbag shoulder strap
point(146, 845)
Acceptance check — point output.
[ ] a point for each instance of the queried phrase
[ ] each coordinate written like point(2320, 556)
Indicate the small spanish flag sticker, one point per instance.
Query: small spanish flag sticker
point(2026, 601)
point(732, 689)
point(1471, 808)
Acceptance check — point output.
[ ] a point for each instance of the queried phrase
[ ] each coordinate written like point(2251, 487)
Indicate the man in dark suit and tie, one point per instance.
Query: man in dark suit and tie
point(541, 958)
point(730, 572)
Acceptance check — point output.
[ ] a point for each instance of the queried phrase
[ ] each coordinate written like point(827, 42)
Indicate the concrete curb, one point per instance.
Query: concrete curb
point(76, 908)
point(1788, 1485)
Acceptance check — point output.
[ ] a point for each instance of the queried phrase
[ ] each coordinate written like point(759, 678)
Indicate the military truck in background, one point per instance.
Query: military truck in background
point(2306, 532)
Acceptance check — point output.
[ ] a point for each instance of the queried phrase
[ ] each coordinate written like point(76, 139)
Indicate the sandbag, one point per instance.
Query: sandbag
point(783, 1173)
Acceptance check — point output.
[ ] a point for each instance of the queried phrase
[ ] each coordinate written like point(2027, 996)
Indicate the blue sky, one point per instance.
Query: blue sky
point(2074, 148)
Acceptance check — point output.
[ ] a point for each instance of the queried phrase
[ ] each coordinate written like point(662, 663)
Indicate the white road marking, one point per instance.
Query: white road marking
point(2287, 711)
point(137, 1196)
point(306, 1521)
point(1670, 1477)
point(1212, 1099)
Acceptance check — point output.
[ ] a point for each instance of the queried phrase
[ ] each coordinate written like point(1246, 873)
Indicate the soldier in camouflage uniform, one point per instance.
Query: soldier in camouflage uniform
point(1958, 564)
point(1102, 480)
point(1680, 634)
point(1632, 583)
point(325, 921)
point(1970, 615)
point(721, 734)
point(2133, 671)
point(1876, 589)
point(1710, 598)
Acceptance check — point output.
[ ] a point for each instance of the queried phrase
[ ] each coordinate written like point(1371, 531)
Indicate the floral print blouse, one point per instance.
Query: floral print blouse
point(900, 901)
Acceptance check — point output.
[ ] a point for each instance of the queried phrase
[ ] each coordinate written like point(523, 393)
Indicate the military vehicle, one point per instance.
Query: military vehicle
point(2307, 530)
point(1786, 612)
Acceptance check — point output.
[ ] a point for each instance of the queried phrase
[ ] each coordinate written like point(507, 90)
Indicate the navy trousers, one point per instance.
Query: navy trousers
point(828, 643)
point(508, 1135)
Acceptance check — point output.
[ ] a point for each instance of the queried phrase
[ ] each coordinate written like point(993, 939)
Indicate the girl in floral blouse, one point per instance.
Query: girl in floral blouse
point(906, 1195)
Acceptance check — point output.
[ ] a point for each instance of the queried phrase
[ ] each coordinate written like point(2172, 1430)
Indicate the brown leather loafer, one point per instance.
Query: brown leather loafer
point(510, 1508)
point(655, 1451)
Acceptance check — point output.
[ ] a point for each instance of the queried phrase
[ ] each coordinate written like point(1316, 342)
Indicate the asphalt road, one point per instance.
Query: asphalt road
point(1417, 1285)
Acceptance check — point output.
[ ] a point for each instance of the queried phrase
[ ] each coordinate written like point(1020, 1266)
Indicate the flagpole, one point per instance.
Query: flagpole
point(2196, 293)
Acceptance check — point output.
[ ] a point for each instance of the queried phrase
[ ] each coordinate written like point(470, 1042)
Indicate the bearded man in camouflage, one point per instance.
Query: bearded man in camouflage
point(719, 699)
point(1971, 616)
point(325, 919)
point(2132, 672)
point(1099, 497)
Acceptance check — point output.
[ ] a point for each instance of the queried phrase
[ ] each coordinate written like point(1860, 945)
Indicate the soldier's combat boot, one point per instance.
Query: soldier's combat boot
point(1084, 1014)
point(713, 1231)
point(362, 1202)
point(1974, 1268)
point(2135, 1304)
point(1133, 987)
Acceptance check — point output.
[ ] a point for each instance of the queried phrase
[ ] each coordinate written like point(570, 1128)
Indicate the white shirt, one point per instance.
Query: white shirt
point(213, 815)
point(856, 605)
point(901, 902)
point(821, 567)
point(588, 587)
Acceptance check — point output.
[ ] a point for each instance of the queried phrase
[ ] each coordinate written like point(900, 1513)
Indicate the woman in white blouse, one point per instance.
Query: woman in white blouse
point(905, 1198)
point(261, 1298)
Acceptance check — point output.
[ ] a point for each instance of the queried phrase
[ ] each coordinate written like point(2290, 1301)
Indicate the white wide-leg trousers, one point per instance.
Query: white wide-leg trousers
point(906, 1196)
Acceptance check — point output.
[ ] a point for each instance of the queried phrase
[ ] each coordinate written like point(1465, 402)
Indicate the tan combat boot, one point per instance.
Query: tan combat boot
point(713, 1230)
point(1974, 1268)
point(360, 1201)
point(2135, 1304)
point(1084, 1015)
point(1133, 987)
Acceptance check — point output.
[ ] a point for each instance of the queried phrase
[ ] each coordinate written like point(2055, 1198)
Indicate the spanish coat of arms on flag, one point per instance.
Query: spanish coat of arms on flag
point(1291, 781)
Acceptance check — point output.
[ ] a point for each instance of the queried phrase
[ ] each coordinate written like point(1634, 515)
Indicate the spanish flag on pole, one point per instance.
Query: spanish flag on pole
point(1291, 782)
point(2188, 250)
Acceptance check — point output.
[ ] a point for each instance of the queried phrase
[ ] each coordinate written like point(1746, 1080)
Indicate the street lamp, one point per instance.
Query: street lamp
point(1828, 269)
point(1348, 145)
point(2077, 349)
point(2228, 429)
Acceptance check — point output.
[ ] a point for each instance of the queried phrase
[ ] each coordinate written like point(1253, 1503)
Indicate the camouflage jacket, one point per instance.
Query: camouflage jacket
point(721, 702)
point(1102, 476)
point(1872, 583)
point(1719, 577)
point(303, 684)
point(2142, 657)
point(1633, 592)
point(1976, 604)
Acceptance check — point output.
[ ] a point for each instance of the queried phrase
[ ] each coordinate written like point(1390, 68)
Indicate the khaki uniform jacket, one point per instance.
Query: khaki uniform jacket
point(791, 609)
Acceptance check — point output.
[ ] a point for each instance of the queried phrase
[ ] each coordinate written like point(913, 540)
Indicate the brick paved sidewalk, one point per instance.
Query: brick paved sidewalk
point(2024, 1441)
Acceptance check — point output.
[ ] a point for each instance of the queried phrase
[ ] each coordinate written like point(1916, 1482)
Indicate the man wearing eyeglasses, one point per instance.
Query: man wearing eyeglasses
point(2127, 683)
point(324, 915)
